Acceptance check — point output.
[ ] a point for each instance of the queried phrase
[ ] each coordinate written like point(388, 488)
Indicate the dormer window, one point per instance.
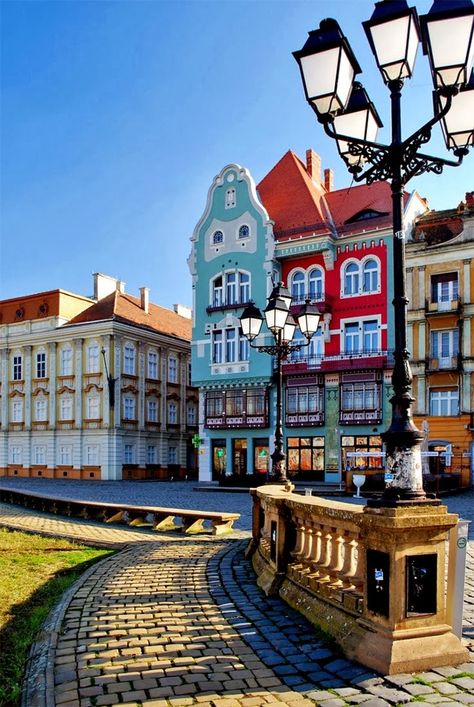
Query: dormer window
point(230, 198)
point(366, 214)
point(244, 231)
point(217, 237)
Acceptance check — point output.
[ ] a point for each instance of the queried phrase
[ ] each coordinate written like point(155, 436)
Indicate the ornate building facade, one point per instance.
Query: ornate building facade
point(95, 388)
point(332, 247)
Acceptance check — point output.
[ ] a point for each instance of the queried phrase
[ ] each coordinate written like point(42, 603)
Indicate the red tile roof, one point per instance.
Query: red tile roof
point(125, 308)
point(291, 198)
point(298, 206)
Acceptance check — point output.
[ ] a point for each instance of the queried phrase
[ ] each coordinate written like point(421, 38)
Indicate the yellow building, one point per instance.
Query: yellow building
point(95, 388)
point(440, 287)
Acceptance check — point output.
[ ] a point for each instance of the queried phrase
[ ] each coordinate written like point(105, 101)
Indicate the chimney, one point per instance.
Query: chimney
point(328, 179)
point(313, 165)
point(145, 299)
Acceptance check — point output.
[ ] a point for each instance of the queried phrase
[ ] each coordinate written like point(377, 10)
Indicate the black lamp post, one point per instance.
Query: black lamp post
point(110, 381)
point(328, 67)
point(282, 325)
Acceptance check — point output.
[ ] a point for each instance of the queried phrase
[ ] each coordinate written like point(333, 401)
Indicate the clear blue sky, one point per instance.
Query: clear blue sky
point(117, 115)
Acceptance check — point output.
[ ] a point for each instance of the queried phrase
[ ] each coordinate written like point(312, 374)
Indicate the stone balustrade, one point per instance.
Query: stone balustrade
point(352, 570)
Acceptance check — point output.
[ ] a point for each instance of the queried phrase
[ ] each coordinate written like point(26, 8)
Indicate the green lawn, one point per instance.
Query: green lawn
point(34, 572)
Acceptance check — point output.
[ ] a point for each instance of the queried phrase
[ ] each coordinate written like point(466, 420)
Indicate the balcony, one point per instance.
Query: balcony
point(302, 419)
point(446, 363)
point(355, 360)
point(360, 417)
point(241, 420)
point(226, 306)
point(433, 307)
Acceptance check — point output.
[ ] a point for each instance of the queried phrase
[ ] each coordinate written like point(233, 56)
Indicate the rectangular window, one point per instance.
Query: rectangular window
point(217, 347)
point(17, 368)
point(172, 370)
point(256, 402)
point(172, 413)
point(92, 407)
point(360, 396)
point(92, 454)
point(370, 336)
point(93, 363)
point(244, 348)
point(152, 365)
point(444, 289)
point(351, 338)
point(39, 454)
point(151, 454)
point(444, 402)
point(172, 455)
point(129, 408)
point(66, 362)
point(306, 457)
point(65, 408)
point(128, 454)
point(65, 455)
point(214, 404)
point(17, 411)
point(152, 411)
point(361, 452)
point(191, 414)
point(445, 347)
point(129, 360)
point(41, 364)
point(231, 288)
point(234, 402)
point(244, 287)
point(304, 399)
point(15, 455)
point(40, 410)
point(230, 337)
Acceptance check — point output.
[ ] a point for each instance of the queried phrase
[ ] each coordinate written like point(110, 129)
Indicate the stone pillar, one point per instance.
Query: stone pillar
point(4, 377)
point(28, 375)
point(79, 383)
point(423, 292)
point(141, 371)
point(404, 592)
point(52, 384)
point(117, 374)
point(467, 281)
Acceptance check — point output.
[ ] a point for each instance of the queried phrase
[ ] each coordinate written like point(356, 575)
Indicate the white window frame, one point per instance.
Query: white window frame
point(151, 454)
point(298, 285)
point(217, 346)
point(39, 454)
point(371, 274)
point(191, 414)
point(152, 365)
point(129, 359)
point(16, 453)
point(66, 361)
point(172, 369)
point(17, 367)
point(92, 454)
point(172, 455)
point(129, 408)
point(172, 412)
point(217, 237)
point(152, 411)
point(41, 364)
point(92, 407)
point(41, 410)
point(244, 231)
point(351, 280)
point(93, 358)
point(447, 398)
point(66, 407)
point(316, 276)
point(230, 198)
point(65, 455)
point(17, 411)
point(128, 453)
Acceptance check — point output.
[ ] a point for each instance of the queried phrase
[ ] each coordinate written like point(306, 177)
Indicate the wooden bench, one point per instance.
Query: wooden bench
point(155, 516)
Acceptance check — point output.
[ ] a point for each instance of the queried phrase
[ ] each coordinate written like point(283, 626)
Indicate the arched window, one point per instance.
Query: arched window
point(217, 237)
point(370, 276)
point(298, 286)
point(315, 282)
point(244, 231)
point(351, 279)
point(230, 198)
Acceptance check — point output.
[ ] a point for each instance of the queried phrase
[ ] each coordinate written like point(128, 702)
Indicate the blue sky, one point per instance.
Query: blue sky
point(118, 114)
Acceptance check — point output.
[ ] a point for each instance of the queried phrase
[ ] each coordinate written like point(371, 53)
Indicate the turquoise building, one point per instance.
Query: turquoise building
point(231, 263)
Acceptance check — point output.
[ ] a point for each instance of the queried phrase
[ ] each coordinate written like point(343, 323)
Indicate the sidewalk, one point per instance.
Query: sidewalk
point(172, 620)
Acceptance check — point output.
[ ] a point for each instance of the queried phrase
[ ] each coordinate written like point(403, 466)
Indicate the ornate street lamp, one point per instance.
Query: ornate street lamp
point(282, 325)
point(327, 64)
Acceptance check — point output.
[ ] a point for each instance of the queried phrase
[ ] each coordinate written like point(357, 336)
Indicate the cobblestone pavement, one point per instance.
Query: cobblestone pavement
point(175, 620)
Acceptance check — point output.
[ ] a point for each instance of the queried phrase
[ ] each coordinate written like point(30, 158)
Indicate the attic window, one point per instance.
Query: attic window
point(366, 214)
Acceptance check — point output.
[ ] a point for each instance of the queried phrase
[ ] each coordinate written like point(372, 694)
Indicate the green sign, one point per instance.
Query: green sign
point(196, 440)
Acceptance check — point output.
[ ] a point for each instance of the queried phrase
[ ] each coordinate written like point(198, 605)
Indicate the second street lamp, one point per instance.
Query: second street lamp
point(328, 67)
point(282, 325)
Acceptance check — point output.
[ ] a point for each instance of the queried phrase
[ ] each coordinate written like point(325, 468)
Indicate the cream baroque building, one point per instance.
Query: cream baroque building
point(440, 287)
point(95, 388)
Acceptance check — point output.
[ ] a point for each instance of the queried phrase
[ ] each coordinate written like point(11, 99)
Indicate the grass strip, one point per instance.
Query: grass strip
point(34, 572)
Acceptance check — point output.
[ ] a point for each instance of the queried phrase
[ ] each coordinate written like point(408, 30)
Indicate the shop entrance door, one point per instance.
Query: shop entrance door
point(239, 460)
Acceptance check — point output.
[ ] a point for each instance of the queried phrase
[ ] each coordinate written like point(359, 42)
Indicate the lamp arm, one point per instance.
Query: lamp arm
point(423, 134)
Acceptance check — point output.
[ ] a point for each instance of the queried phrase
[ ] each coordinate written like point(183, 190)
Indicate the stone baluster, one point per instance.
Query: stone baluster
point(349, 567)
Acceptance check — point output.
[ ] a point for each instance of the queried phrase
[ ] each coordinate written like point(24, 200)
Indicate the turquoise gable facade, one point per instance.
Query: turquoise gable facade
point(231, 262)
